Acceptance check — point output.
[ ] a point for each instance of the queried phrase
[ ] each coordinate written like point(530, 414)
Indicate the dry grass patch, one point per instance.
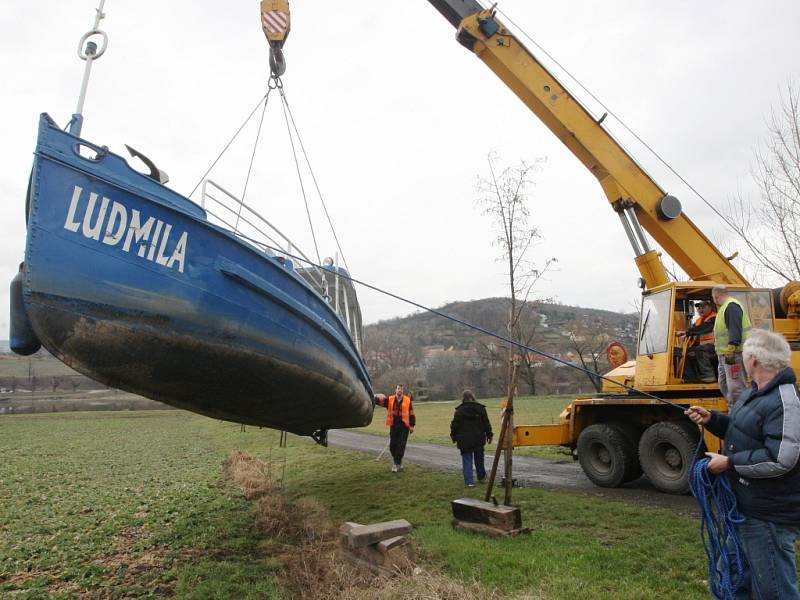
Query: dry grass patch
point(249, 474)
point(304, 539)
point(346, 583)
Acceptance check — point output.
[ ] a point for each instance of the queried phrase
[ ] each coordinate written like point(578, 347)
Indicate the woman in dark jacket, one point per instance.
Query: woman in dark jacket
point(470, 430)
point(762, 461)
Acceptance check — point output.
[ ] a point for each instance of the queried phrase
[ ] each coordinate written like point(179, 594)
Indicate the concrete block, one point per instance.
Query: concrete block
point(470, 510)
point(365, 535)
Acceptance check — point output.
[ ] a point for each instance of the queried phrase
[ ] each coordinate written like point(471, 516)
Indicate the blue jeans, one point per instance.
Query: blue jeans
point(769, 549)
point(467, 458)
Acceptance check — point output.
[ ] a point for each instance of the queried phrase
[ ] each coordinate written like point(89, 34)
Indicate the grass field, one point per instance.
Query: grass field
point(23, 366)
point(133, 505)
point(433, 421)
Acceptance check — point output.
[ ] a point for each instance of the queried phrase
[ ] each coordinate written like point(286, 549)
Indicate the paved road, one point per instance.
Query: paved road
point(528, 471)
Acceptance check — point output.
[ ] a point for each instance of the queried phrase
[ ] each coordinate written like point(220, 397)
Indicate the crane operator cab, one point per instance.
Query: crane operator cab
point(676, 341)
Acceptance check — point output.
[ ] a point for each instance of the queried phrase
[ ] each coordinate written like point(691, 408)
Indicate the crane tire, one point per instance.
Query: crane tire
point(633, 469)
point(606, 454)
point(666, 451)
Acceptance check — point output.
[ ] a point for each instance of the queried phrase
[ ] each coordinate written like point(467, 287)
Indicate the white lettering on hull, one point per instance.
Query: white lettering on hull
point(150, 240)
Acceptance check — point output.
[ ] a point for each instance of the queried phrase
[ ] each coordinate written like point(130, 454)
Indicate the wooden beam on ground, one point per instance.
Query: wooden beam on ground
point(386, 546)
point(364, 535)
point(488, 529)
point(471, 510)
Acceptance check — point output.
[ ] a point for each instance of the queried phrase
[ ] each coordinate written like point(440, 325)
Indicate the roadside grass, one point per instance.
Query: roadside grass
point(133, 505)
point(433, 421)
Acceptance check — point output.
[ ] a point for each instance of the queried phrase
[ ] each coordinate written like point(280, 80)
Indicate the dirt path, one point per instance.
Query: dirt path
point(528, 471)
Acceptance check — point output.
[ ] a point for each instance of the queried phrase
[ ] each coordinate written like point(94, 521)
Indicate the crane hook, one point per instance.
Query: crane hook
point(277, 61)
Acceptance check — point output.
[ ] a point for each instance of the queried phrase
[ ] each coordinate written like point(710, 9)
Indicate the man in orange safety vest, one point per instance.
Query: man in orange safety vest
point(400, 420)
point(701, 356)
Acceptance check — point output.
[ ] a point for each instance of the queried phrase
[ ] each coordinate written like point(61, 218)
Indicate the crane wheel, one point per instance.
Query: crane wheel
point(666, 451)
point(633, 468)
point(607, 455)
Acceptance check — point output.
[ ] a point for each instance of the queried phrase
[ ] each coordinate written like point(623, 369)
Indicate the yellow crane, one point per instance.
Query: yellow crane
point(618, 434)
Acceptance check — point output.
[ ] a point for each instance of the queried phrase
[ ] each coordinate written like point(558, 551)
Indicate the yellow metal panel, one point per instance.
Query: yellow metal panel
point(713, 443)
point(542, 435)
point(574, 420)
point(652, 369)
point(790, 328)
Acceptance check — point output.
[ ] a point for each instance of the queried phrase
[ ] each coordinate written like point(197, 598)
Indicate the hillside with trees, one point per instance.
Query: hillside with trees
point(438, 358)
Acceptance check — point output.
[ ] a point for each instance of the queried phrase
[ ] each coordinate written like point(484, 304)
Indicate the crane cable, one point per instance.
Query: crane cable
point(293, 131)
point(274, 81)
point(472, 326)
point(299, 174)
point(228, 145)
point(314, 178)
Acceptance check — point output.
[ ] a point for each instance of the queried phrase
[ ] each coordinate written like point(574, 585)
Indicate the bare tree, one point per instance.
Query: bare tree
point(590, 345)
point(383, 353)
point(503, 196)
point(769, 225)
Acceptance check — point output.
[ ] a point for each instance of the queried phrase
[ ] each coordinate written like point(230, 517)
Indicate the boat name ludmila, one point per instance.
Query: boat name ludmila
point(119, 227)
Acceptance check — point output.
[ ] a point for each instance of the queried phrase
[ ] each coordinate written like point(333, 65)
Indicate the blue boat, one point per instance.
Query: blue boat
point(133, 285)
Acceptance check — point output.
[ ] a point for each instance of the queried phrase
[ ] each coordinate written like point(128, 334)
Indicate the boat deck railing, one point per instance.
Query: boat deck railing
point(231, 213)
point(245, 223)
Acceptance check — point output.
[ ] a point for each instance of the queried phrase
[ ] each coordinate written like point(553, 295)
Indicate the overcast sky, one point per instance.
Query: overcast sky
point(398, 120)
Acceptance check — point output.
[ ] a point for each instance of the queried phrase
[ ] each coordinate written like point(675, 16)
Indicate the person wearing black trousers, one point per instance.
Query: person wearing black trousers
point(400, 420)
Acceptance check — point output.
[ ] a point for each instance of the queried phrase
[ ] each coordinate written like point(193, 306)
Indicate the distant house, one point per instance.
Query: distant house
point(431, 354)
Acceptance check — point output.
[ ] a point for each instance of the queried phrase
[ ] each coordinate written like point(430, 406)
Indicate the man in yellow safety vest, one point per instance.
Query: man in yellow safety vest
point(731, 329)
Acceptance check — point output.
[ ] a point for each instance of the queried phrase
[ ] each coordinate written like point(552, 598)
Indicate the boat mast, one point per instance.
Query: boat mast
point(89, 52)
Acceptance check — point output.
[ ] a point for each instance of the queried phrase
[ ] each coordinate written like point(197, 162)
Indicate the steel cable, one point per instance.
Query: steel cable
point(468, 325)
point(252, 158)
point(228, 145)
point(316, 185)
point(299, 175)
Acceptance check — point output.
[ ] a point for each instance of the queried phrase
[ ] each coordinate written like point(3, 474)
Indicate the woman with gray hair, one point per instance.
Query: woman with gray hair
point(761, 452)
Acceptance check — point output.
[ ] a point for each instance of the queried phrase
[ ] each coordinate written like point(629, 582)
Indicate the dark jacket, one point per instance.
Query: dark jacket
point(733, 323)
point(470, 428)
point(762, 439)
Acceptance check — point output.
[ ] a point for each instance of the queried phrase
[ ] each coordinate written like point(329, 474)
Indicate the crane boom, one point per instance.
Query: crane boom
point(638, 200)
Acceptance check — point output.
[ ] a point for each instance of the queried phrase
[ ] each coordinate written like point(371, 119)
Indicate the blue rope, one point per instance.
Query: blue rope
point(719, 530)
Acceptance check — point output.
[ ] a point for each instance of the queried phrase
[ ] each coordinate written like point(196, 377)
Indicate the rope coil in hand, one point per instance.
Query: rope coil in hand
point(719, 530)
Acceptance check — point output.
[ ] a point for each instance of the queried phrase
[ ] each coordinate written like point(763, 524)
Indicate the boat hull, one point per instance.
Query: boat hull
point(128, 283)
